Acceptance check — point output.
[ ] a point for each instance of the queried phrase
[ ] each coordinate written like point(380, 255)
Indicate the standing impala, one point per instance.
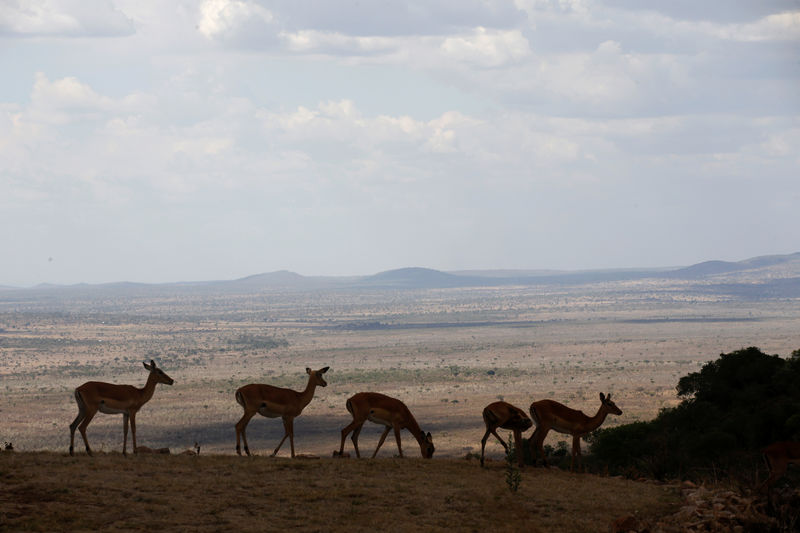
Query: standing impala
point(549, 414)
point(112, 399)
point(506, 416)
point(389, 412)
point(274, 402)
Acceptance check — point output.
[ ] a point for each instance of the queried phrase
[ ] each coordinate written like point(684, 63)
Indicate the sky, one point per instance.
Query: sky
point(191, 140)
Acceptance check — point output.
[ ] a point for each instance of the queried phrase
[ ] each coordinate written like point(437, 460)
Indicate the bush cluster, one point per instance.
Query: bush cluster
point(730, 409)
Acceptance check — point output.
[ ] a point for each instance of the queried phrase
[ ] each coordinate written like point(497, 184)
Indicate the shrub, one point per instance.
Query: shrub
point(731, 408)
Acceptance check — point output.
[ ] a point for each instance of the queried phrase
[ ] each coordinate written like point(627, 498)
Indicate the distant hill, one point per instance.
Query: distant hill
point(283, 278)
point(772, 275)
point(766, 267)
point(415, 277)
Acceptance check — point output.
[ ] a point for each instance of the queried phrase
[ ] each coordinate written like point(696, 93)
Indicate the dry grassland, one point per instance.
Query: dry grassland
point(445, 352)
point(54, 492)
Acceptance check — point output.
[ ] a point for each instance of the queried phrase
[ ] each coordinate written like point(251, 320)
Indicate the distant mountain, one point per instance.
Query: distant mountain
point(766, 266)
point(415, 277)
point(283, 278)
point(768, 275)
point(507, 273)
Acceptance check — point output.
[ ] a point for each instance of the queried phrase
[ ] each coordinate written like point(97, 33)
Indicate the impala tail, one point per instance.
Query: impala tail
point(534, 415)
point(239, 398)
point(489, 417)
point(79, 399)
point(349, 406)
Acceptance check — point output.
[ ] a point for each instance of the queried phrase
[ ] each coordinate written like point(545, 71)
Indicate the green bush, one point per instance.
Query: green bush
point(730, 409)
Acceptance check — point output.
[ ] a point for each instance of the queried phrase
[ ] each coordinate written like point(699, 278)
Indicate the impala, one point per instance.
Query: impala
point(778, 456)
point(506, 416)
point(274, 402)
point(112, 399)
point(549, 414)
point(389, 412)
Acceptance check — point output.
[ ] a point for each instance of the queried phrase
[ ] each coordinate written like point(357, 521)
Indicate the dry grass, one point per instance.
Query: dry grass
point(54, 492)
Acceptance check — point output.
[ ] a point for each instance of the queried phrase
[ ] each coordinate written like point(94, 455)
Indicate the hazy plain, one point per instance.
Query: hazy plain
point(446, 352)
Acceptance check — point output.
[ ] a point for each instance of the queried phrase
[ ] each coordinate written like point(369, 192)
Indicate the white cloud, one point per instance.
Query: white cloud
point(68, 18)
point(487, 48)
point(776, 27)
point(241, 22)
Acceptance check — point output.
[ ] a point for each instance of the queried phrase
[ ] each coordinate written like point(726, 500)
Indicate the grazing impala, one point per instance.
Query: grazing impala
point(389, 412)
point(778, 456)
point(506, 416)
point(112, 399)
point(274, 402)
point(552, 415)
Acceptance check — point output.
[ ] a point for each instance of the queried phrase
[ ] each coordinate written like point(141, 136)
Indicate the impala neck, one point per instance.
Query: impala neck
point(308, 394)
point(149, 388)
point(597, 420)
point(413, 427)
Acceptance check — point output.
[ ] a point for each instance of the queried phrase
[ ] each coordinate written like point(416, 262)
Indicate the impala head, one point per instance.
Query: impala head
point(520, 420)
point(426, 446)
point(161, 376)
point(317, 376)
point(608, 404)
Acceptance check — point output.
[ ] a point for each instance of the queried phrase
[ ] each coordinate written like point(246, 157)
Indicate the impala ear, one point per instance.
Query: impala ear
point(608, 397)
point(428, 437)
point(602, 397)
point(152, 363)
point(308, 370)
point(148, 367)
point(324, 370)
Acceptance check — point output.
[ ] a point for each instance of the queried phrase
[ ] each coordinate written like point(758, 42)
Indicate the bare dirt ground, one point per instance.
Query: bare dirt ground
point(445, 352)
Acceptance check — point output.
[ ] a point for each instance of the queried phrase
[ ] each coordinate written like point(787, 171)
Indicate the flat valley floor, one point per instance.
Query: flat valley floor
point(445, 352)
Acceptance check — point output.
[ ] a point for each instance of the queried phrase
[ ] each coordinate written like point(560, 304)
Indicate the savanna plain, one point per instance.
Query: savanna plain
point(446, 352)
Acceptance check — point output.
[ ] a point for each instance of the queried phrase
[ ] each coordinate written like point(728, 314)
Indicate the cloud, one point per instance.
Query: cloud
point(395, 19)
point(70, 100)
point(237, 22)
point(717, 11)
point(121, 144)
point(774, 27)
point(63, 18)
point(487, 48)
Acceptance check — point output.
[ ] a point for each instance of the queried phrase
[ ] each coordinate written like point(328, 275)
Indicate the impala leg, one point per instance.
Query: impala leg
point(290, 428)
point(576, 452)
point(397, 437)
point(380, 442)
point(72, 428)
point(518, 447)
point(346, 431)
point(354, 438)
point(125, 418)
point(537, 444)
point(483, 443)
point(241, 426)
point(133, 430)
point(82, 428)
point(287, 428)
point(505, 447)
